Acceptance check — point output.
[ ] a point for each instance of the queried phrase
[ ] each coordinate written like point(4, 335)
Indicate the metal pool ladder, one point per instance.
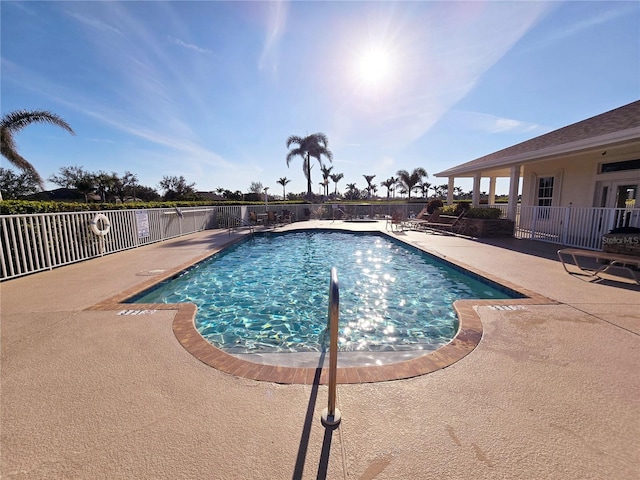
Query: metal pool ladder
point(331, 415)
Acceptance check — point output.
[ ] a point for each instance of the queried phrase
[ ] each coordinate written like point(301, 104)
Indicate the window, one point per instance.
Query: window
point(620, 166)
point(545, 191)
point(545, 196)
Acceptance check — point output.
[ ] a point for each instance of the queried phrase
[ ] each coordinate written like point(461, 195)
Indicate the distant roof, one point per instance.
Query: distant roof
point(210, 196)
point(615, 127)
point(61, 194)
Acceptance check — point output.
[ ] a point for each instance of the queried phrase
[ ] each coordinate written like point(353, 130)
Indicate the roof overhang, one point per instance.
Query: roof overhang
point(500, 167)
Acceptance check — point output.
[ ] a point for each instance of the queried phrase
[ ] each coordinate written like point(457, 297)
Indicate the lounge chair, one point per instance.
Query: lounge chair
point(423, 219)
point(457, 226)
point(610, 260)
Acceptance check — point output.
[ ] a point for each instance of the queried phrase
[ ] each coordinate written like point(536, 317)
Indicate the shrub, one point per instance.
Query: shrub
point(433, 205)
point(18, 207)
point(472, 212)
point(475, 212)
point(461, 207)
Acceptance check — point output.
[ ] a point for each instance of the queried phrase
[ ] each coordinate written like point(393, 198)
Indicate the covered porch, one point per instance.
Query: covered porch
point(569, 186)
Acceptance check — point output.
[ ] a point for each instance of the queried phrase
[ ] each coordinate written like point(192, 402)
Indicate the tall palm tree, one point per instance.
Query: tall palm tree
point(410, 180)
point(314, 145)
point(323, 184)
point(12, 123)
point(425, 186)
point(336, 177)
point(389, 183)
point(326, 173)
point(369, 187)
point(394, 180)
point(283, 181)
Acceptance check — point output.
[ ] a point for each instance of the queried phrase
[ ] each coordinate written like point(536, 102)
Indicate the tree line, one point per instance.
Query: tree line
point(112, 187)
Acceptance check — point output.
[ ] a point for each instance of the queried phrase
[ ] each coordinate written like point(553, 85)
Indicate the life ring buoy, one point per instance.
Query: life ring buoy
point(106, 225)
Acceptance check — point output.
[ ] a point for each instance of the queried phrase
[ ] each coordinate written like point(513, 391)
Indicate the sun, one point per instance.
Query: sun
point(374, 67)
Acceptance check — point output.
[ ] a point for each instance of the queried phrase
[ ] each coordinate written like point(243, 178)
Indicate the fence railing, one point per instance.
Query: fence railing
point(580, 227)
point(34, 242)
point(37, 242)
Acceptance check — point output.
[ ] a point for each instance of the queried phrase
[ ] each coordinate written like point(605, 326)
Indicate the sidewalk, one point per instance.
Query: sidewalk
point(551, 392)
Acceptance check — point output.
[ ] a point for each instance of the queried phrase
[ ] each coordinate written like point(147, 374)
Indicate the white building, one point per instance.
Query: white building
point(578, 182)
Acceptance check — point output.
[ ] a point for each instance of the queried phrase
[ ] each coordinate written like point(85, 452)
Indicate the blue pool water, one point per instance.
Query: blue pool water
point(270, 294)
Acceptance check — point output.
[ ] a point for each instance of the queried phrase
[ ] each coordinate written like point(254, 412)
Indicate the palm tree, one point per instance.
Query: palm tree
point(395, 183)
point(314, 145)
point(326, 173)
point(410, 180)
point(283, 181)
point(336, 177)
point(323, 184)
point(12, 123)
point(389, 183)
point(425, 186)
point(352, 191)
point(369, 187)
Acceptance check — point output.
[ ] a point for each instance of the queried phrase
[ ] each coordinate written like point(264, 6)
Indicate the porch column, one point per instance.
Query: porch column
point(492, 190)
point(475, 198)
point(450, 190)
point(514, 180)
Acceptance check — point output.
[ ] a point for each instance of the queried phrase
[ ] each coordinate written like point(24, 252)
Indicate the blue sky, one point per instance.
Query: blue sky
point(212, 90)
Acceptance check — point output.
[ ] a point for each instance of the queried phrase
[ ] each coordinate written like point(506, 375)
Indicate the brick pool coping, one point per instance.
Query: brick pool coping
point(464, 342)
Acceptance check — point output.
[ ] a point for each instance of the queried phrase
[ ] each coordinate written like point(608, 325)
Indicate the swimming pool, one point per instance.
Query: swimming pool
point(269, 294)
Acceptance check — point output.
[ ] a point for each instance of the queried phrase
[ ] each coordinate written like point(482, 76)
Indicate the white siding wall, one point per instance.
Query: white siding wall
point(574, 181)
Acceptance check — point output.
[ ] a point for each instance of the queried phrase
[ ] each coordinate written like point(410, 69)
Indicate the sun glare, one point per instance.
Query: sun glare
point(374, 67)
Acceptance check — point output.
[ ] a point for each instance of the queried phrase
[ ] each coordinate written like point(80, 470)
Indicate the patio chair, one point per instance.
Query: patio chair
point(286, 217)
point(396, 223)
point(271, 217)
point(253, 218)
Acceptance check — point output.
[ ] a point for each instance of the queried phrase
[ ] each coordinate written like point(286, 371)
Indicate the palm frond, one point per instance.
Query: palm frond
point(16, 121)
point(13, 122)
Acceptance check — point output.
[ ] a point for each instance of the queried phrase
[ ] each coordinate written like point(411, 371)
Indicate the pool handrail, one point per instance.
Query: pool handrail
point(331, 415)
point(237, 222)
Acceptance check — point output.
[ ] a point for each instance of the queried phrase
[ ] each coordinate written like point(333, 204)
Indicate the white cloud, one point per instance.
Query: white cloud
point(277, 20)
point(155, 130)
point(566, 31)
point(483, 122)
point(93, 23)
point(189, 46)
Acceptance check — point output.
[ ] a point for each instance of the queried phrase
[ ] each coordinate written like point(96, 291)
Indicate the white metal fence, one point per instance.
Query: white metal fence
point(37, 242)
point(573, 226)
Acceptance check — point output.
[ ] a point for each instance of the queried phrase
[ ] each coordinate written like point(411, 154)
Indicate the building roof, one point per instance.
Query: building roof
point(210, 196)
point(616, 127)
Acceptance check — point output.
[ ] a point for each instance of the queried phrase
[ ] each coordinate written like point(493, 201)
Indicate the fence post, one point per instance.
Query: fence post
point(565, 224)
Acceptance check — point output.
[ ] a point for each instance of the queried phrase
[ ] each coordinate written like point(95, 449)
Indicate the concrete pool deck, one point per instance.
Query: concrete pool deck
point(551, 390)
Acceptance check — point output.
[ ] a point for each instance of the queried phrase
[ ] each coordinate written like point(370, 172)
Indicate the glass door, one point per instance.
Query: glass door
point(625, 198)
